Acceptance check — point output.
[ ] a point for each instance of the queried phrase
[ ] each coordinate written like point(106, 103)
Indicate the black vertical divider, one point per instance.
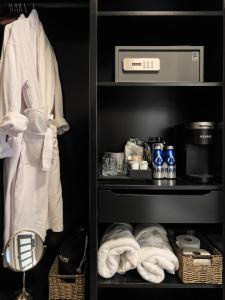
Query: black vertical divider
point(93, 169)
point(223, 143)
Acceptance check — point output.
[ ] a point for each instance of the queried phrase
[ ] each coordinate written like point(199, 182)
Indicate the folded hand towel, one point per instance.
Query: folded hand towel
point(118, 251)
point(155, 254)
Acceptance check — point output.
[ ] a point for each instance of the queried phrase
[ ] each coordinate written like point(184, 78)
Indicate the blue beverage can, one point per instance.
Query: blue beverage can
point(170, 163)
point(157, 162)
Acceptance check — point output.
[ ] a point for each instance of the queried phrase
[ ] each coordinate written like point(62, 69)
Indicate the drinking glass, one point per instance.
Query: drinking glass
point(109, 166)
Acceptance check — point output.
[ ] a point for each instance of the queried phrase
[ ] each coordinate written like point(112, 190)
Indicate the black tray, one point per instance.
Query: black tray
point(140, 174)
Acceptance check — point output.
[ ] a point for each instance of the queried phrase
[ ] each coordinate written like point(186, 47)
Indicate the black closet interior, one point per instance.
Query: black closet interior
point(67, 27)
point(103, 114)
point(121, 110)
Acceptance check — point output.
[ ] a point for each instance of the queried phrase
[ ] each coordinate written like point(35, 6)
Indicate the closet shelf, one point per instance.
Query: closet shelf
point(125, 183)
point(64, 5)
point(136, 84)
point(133, 280)
point(54, 4)
point(159, 13)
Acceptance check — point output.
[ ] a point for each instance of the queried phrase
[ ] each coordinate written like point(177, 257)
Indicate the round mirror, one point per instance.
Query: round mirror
point(23, 251)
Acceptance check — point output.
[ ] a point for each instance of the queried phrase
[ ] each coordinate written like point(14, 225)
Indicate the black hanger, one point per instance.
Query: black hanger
point(11, 13)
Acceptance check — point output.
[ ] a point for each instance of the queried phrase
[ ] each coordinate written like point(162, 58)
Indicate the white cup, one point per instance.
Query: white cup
point(135, 165)
point(143, 165)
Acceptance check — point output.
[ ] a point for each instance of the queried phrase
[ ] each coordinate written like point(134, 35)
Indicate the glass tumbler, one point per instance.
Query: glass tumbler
point(109, 166)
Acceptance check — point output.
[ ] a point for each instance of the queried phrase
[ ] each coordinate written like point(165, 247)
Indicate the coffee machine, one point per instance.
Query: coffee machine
point(198, 151)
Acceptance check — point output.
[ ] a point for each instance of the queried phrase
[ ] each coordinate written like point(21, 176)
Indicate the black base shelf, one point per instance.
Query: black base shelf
point(133, 280)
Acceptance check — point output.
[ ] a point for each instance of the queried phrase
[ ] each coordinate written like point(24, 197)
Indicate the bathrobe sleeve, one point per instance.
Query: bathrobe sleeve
point(59, 120)
point(13, 122)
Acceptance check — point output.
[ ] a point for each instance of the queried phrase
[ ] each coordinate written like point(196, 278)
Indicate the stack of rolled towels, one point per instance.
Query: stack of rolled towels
point(145, 248)
point(191, 245)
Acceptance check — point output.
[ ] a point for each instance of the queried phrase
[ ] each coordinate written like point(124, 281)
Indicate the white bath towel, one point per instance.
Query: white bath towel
point(155, 254)
point(118, 251)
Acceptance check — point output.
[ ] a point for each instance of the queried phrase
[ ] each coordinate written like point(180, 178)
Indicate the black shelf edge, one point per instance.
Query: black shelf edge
point(53, 5)
point(179, 185)
point(159, 13)
point(174, 84)
point(133, 280)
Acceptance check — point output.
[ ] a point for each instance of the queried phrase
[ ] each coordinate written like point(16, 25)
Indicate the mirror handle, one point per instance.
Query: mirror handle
point(24, 282)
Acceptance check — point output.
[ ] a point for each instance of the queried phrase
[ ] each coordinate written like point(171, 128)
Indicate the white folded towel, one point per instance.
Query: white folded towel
point(118, 251)
point(155, 254)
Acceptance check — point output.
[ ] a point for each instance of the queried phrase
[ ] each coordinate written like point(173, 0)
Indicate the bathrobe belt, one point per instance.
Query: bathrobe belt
point(49, 136)
point(40, 145)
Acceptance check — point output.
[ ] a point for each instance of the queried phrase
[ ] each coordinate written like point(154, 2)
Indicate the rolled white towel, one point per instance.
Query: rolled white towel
point(118, 251)
point(155, 254)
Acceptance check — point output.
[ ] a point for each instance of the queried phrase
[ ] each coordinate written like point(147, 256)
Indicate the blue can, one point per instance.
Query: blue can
point(170, 163)
point(157, 161)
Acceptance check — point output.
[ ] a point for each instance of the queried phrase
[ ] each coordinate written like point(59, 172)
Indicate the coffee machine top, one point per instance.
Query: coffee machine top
point(201, 125)
point(200, 133)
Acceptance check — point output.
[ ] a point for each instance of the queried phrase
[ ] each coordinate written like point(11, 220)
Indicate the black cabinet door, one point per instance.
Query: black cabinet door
point(163, 207)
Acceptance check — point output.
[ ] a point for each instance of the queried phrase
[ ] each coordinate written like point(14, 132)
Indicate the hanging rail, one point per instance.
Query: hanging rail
point(46, 4)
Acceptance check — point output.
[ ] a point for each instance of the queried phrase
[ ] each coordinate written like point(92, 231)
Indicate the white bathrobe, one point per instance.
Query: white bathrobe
point(19, 89)
point(27, 173)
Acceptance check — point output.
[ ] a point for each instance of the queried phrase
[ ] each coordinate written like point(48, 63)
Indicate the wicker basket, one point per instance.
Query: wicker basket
point(60, 289)
point(191, 273)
